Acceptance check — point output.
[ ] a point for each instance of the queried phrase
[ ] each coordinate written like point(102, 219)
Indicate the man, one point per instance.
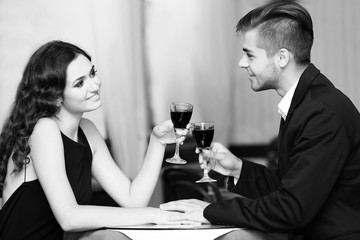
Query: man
point(315, 191)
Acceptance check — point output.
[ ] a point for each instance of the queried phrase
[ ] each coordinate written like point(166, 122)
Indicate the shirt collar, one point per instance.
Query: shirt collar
point(284, 105)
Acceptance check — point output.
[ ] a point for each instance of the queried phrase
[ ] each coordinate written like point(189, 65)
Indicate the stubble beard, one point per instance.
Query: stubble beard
point(267, 80)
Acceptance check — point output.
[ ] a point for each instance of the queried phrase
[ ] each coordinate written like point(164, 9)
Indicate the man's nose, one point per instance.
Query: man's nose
point(243, 63)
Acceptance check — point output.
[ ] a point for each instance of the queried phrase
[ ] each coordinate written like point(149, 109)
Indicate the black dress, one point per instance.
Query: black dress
point(27, 213)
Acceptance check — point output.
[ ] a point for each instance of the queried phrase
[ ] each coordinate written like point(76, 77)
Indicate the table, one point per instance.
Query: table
point(180, 232)
point(175, 232)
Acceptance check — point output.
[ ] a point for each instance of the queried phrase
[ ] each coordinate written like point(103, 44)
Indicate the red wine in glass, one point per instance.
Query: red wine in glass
point(203, 133)
point(181, 119)
point(203, 138)
point(180, 114)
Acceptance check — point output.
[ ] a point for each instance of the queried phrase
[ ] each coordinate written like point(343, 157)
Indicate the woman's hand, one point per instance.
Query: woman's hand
point(165, 134)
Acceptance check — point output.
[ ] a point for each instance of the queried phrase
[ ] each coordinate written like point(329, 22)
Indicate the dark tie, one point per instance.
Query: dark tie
point(281, 129)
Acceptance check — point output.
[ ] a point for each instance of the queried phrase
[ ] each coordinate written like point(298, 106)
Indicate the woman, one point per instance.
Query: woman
point(48, 154)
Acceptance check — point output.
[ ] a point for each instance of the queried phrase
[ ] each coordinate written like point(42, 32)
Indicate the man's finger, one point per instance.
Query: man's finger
point(214, 155)
point(173, 207)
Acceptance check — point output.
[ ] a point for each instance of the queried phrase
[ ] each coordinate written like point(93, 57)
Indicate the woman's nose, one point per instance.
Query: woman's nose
point(95, 83)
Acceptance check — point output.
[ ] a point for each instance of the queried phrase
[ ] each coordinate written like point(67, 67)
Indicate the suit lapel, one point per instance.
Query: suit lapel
point(305, 80)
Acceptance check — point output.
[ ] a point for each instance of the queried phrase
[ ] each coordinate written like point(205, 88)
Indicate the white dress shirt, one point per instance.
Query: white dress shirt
point(284, 105)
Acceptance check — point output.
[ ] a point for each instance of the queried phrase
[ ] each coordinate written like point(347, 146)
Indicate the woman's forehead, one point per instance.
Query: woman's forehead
point(79, 67)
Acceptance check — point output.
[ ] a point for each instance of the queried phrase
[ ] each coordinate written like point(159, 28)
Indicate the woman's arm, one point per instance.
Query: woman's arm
point(127, 193)
point(47, 154)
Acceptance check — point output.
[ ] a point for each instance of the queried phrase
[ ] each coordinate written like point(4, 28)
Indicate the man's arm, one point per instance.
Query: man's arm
point(310, 169)
point(252, 180)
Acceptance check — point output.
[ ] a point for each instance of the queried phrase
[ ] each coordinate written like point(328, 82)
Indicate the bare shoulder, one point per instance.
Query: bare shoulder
point(45, 141)
point(91, 132)
point(86, 123)
point(88, 127)
point(46, 126)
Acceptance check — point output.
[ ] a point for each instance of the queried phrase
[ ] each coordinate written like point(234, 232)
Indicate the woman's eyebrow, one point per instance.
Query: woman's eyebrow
point(83, 76)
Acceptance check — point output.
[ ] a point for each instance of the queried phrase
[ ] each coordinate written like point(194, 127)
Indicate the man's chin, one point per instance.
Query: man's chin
point(259, 89)
point(255, 88)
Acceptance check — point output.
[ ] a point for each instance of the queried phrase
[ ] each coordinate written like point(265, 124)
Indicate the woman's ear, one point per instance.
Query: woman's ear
point(59, 102)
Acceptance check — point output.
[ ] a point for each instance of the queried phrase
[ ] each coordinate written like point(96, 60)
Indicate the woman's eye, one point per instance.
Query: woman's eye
point(79, 84)
point(93, 73)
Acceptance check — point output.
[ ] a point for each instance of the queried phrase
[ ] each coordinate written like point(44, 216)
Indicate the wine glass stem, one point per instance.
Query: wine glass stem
point(206, 175)
point(177, 150)
point(206, 168)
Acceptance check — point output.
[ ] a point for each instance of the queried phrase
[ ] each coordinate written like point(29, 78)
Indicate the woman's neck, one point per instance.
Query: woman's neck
point(69, 124)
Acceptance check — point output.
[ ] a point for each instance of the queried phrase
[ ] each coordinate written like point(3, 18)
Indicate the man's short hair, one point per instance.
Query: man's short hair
point(281, 24)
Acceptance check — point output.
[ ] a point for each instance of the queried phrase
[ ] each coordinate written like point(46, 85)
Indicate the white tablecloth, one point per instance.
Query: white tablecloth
point(175, 232)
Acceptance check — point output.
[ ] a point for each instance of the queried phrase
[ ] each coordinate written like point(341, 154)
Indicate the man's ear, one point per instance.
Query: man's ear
point(283, 57)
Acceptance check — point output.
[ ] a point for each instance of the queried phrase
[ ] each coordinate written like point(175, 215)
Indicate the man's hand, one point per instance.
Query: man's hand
point(192, 208)
point(222, 160)
point(163, 217)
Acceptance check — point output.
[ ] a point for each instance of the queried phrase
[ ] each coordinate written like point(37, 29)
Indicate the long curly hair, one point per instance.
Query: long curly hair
point(41, 88)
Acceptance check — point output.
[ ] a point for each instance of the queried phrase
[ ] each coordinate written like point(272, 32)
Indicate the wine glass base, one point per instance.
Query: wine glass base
point(206, 179)
point(175, 160)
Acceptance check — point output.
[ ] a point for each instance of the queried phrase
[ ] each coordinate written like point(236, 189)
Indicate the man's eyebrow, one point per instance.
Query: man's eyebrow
point(247, 50)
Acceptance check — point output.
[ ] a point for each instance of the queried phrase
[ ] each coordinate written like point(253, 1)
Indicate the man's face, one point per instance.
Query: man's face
point(262, 70)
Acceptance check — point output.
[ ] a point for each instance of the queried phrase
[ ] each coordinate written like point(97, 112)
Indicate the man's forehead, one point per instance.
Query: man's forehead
point(250, 41)
point(250, 37)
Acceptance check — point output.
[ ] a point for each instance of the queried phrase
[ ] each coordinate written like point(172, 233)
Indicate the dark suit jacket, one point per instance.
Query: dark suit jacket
point(316, 190)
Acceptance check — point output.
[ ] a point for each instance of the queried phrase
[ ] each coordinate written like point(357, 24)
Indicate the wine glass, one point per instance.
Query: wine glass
point(180, 116)
point(203, 132)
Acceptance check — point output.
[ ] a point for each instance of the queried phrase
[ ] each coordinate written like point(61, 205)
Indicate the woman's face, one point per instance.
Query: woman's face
point(82, 90)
